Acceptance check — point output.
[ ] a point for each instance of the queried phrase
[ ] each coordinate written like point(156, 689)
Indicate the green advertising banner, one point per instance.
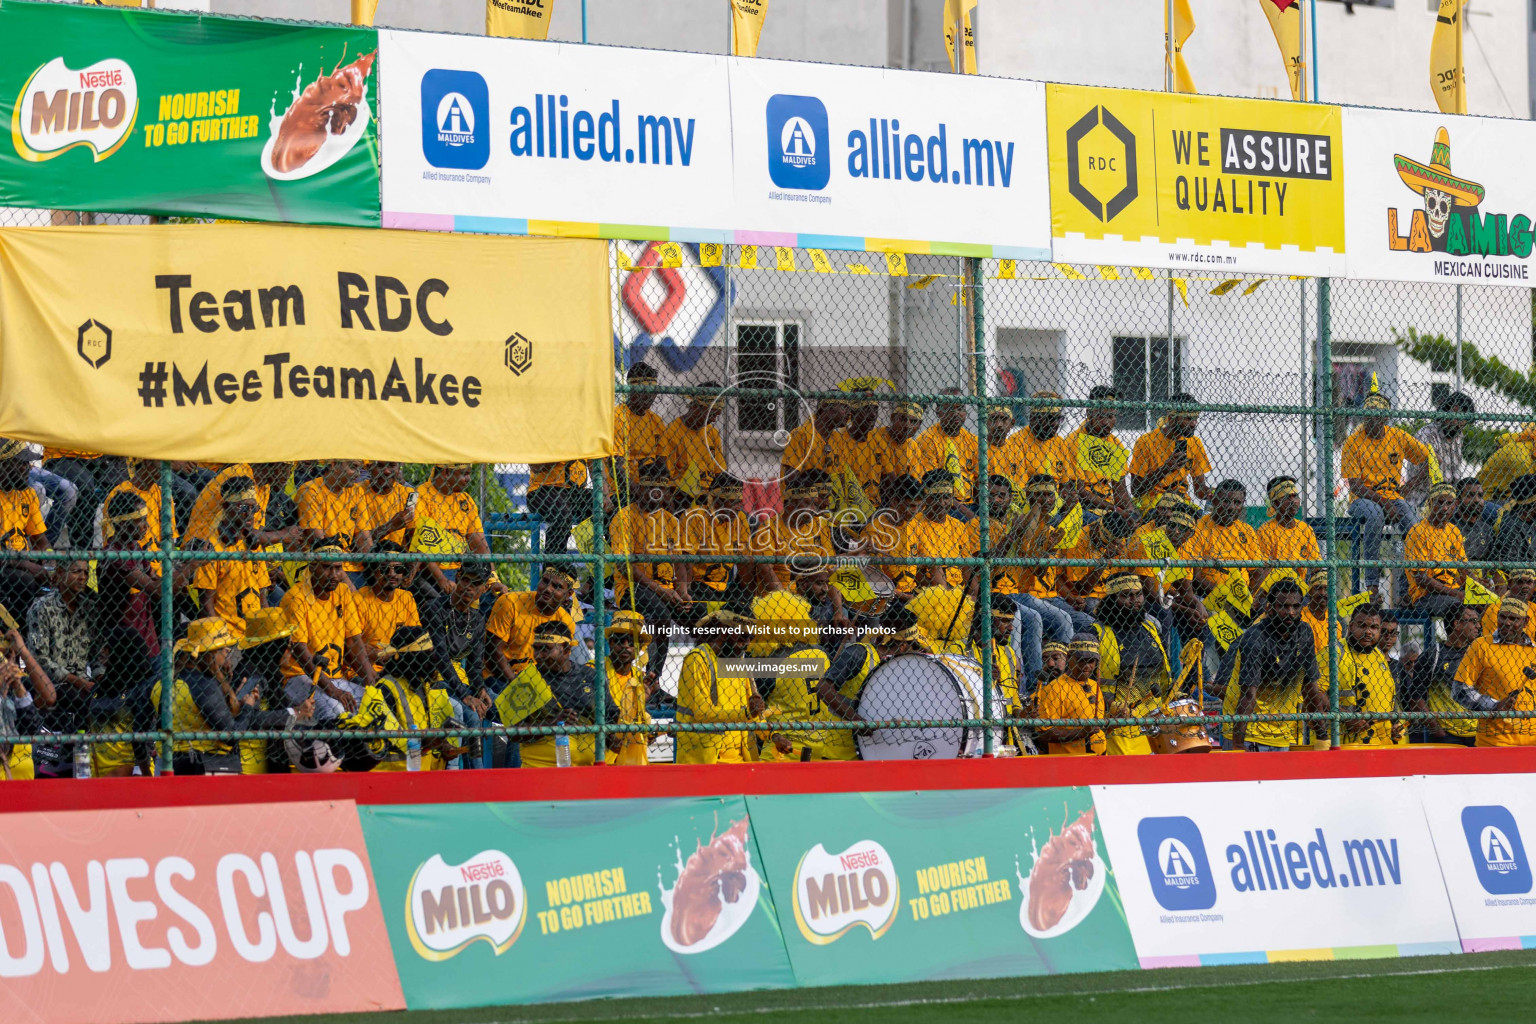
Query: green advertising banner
point(164, 113)
point(919, 886)
point(489, 904)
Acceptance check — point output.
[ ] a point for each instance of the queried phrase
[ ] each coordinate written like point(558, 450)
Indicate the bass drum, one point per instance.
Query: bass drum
point(925, 687)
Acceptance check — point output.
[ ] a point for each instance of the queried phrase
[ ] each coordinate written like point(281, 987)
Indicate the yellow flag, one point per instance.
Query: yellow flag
point(853, 585)
point(1007, 270)
point(709, 254)
point(783, 258)
point(363, 11)
point(1183, 28)
point(952, 10)
point(819, 261)
point(1071, 527)
point(689, 484)
point(1285, 20)
point(1477, 594)
point(1102, 455)
point(1158, 545)
point(747, 18)
point(1447, 71)
point(518, 19)
point(896, 264)
point(524, 695)
point(748, 257)
point(848, 492)
point(431, 538)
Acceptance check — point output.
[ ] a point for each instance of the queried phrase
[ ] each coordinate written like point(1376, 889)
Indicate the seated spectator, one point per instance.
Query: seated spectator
point(1099, 458)
point(810, 444)
point(386, 603)
point(1075, 694)
point(1373, 460)
point(1170, 459)
point(720, 528)
point(705, 696)
point(1007, 673)
point(645, 535)
point(549, 692)
point(800, 536)
point(1514, 532)
point(328, 653)
point(558, 494)
point(1522, 587)
point(1431, 687)
point(692, 447)
point(1043, 451)
point(949, 446)
point(627, 691)
point(1435, 592)
point(203, 700)
point(888, 534)
point(936, 533)
point(1366, 682)
point(21, 520)
point(1495, 675)
point(898, 440)
point(233, 589)
point(1103, 539)
point(1224, 536)
point(61, 631)
point(1041, 536)
point(331, 506)
point(864, 450)
point(1133, 661)
point(270, 479)
point(409, 688)
point(144, 483)
point(1474, 518)
point(518, 614)
point(446, 501)
point(1006, 455)
point(840, 688)
point(265, 638)
point(1272, 669)
point(457, 624)
point(388, 505)
point(1283, 537)
point(128, 590)
point(638, 434)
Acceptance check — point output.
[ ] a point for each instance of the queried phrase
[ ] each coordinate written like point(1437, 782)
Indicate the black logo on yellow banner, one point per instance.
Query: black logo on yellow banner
point(94, 343)
point(1101, 166)
point(519, 354)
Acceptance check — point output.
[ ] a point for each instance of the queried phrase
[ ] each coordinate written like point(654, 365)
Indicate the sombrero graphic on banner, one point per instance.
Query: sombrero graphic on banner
point(1447, 222)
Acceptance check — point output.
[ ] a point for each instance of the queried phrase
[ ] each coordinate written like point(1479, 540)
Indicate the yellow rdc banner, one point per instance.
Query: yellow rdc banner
point(1195, 182)
point(269, 343)
point(518, 19)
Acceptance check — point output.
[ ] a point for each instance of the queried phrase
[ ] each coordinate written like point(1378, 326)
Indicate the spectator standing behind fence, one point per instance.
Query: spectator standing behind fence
point(1366, 682)
point(21, 527)
point(457, 624)
point(557, 494)
point(638, 433)
point(949, 446)
point(627, 691)
point(1272, 669)
point(144, 483)
point(1444, 438)
point(1170, 459)
point(1372, 461)
point(1431, 686)
point(1098, 458)
point(1496, 674)
point(1436, 592)
point(692, 447)
point(233, 589)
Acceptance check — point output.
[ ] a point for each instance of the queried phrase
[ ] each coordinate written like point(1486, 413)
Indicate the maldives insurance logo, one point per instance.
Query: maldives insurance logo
point(452, 905)
point(1177, 867)
point(1498, 853)
point(60, 108)
point(836, 891)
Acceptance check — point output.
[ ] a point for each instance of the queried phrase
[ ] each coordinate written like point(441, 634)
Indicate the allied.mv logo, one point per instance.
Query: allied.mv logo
point(1177, 867)
point(799, 150)
point(1498, 853)
point(455, 119)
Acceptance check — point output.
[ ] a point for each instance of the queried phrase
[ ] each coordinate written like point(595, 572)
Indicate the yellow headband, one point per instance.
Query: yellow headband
point(1514, 604)
point(560, 570)
point(329, 549)
point(1522, 574)
point(417, 646)
point(1052, 410)
point(1089, 647)
point(1283, 489)
point(128, 517)
point(911, 633)
point(1375, 400)
point(1179, 517)
point(1053, 647)
point(1442, 488)
point(1122, 583)
point(909, 408)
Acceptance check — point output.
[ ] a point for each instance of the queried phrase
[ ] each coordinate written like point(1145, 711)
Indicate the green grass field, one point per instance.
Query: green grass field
point(1421, 988)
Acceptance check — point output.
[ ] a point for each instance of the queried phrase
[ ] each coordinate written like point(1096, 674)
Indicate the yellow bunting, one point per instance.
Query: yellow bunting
point(1108, 273)
point(896, 264)
point(819, 261)
point(710, 254)
point(783, 257)
point(748, 257)
point(671, 254)
point(1069, 272)
point(1007, 270)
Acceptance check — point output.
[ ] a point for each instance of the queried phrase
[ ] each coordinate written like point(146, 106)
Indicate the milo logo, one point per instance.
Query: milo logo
point(60, 108)
point(835, 892)
point(452, 905)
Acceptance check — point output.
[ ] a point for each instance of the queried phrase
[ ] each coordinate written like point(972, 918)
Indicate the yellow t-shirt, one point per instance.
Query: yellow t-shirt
point(1050, 456)
point(513, 619)
point(21, 517)
point(695, 454)
point(1497, 670)
point(336, 514)
point(642, 543)
point(722, 533)
point(703, 695)
point(1378, 463)
point(1154, 448)
point(902, 458)
point(958, 454)
point(323, 625)
point(1067, 698)
point(795, 699)
point(1237, 542)
point(870, 459)
point(378, 508)
point(1366, 684)
point(237, 586)
point(1296, 542)
point(808, 448)
point(1428, 543)
point(203, 524)
point(636, 439)
point(941, 538)
point(380, 618)
point(886, 537)
point(455, 513)
point(1130, 739)
point(151, 498)
point(804, 541)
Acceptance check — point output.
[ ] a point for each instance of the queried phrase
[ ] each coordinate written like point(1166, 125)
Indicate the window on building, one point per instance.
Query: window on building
point(1142, 371)
point(767, 356)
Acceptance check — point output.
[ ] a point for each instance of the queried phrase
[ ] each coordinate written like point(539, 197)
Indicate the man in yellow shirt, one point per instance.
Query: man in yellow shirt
point(644, 536)
point(1224, 536)
point(327, 644)
point(1372, 461)
point(935, 533)
point(385, 604)
point(627, 691)
point(1436, 592)
point(1366, 682)
point(1098, 459)
point(1043, 451)
point(445, 499)
point(144, 482)
point(948, 445)
point(517, 614)
point(694, 452)
point(638, 433)
point(1497, 674)
point(810, 445)
point(1273, 670)
point(799, 537)
point(1170, 459)
point(388, 504)
point(1283, 537)
point(1075, 694)
point(898, 439)
point(1522, 587)
point(720, 528)
point(233, 590)
point(21, 527)
point(706, 696)
point(1006, 455)
point(865, 454)
point(1105, 538)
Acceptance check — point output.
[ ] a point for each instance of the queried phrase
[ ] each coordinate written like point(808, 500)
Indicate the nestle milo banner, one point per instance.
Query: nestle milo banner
point(1437, 197)
point(489, 904)
point(165, 113)
point(897, 887)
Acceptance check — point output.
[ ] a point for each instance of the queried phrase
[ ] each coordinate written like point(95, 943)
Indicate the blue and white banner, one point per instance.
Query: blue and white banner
point(1483, 826)
point(1250, 872)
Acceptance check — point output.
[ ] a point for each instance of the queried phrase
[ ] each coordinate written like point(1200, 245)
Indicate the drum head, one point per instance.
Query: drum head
point(913, 687)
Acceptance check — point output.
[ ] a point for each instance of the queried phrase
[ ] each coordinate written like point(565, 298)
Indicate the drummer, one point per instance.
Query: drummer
point(1133, 661)
point(787, 633)
point(898, 633)
point(1074, 694)
point(1005, 663)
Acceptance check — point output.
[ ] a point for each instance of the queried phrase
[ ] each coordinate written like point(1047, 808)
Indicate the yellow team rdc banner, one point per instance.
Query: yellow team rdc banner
point(267, 343)
point(1195, 182)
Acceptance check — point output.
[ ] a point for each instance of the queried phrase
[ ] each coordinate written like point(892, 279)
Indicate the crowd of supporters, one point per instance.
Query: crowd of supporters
point(832, 561)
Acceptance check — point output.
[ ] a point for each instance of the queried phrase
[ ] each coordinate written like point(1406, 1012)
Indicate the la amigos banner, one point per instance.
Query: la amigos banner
point(162, 113)
point(262, 343)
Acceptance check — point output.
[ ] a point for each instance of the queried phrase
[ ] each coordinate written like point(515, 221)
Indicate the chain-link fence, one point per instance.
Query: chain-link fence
point(862, 506)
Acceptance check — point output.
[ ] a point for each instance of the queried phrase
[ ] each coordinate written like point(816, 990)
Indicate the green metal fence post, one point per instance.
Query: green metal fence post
point(982, 494)
point(1324, 396)
point(167, 620)
point(600, 640)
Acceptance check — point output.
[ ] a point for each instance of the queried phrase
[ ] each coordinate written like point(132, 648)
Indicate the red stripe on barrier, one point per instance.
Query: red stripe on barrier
point(713, 780)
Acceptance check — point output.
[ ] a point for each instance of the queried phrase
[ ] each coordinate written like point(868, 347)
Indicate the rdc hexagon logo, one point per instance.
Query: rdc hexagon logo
point(1101, 163)
point(94, 343)
point(519, 354)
